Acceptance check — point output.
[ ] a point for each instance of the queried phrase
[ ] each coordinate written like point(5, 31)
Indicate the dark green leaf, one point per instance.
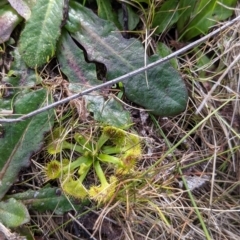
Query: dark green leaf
point(3, 2)
point(164, 92)
point(73, 64)
point(83, 75)
point(21, 139)
point(163, 50)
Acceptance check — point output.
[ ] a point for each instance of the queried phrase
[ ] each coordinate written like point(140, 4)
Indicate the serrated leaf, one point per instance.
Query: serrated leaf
point(82, 75)
point(47, 199)
point(39, 37)
point(21, 139)
point(23, 7)
point(9, 19)
point(13, 213)
point(163, 93)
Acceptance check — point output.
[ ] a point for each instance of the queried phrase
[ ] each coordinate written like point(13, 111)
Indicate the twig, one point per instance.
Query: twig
point(124, 77)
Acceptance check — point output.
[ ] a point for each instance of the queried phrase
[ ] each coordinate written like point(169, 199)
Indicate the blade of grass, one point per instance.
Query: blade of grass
point(195, 206)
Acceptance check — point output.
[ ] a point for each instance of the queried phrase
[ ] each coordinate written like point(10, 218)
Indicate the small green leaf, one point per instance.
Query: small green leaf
point(9, 19)
point(163, 50)
point(203, 15)
point(39, 37)
point(13, 213)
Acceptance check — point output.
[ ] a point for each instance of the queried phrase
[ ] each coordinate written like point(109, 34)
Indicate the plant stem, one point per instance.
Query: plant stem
point(100, 173)
point(110, 159)
point(73, 165)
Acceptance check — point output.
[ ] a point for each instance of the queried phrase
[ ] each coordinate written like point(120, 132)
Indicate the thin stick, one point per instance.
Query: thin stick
point(124, 77)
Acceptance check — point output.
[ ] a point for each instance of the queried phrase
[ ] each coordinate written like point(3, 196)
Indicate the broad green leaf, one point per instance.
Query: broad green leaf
point(163, 93)
point(166, 16)
point(47, 199)
point(20, 140)
point(73, 64)
point(9, 19)
point(39, 37)
point(13, 213)
point(82, 75)
point(23, 7)
point(163, 50)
